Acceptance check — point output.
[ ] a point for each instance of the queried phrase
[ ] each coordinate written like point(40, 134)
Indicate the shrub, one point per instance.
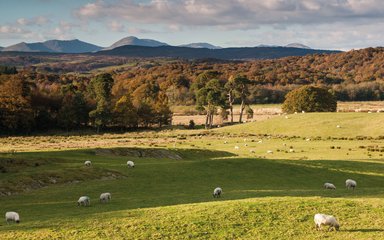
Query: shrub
point(309, 99)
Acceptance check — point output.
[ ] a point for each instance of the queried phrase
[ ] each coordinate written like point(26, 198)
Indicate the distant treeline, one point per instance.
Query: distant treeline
point(139, 94)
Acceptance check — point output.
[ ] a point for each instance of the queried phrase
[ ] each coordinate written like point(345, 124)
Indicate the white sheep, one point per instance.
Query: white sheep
point(269, 151)
point(237, 147)
point(327, 220)
point(291, 150)
point(130, 164)
point(217, 192)
point(105, 197)
point(329, 186)
point(349, 183)
point(84, 201)
point(12, 216)
point(88, 163)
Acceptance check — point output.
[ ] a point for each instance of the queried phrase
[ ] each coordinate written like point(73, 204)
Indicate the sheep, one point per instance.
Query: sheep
point(84, 201)
point(88, 163)
point(12, 216)
point(327, 220)
point(245, 145)
point(329, 186)
point(286, 117)
point(269, 151)
point(130, 164)
point(338, 126)
point(349, 183)
point(105, 197)
point(225, 142)
point(217, 192)
point(237, 147)
point(291, 150)
point(252, 151)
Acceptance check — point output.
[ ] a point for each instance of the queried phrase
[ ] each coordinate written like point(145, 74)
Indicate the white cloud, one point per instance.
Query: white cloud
point(246, 13)
point(36, 21)
point(116, 26)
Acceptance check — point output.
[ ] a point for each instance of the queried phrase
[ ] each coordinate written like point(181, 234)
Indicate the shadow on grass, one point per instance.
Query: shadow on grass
point(364, 230)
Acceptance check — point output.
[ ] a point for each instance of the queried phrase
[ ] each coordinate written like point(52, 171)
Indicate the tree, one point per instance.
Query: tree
point(100, 88)
point(237, 87)
point(125, 114)
point(15, 105)
point(309, 99)
point(73, 111)
point(209, 98)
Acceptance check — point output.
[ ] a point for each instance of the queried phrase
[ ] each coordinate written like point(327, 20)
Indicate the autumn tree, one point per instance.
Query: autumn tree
point(124, 113)
point(15, 105)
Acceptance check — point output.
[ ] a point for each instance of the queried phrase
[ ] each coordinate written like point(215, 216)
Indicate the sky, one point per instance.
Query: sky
point(320, 24)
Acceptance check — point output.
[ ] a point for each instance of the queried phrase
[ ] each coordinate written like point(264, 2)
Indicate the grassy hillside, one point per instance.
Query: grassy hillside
point(169, 192)
point(317, 124)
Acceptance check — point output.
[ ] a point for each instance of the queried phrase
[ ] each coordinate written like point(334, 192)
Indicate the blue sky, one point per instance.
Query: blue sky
point(325, 24)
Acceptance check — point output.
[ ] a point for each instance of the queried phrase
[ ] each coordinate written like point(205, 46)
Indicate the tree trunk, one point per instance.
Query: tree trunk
point(242, 106)
point(211, 121)
point(207, 119)
point(230, 100)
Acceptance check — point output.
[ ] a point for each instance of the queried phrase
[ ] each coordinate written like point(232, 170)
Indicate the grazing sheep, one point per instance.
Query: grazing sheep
point(12, 216)
point(217, 192)
point(130, 164)
point(349, 183)
point(88, 163)
point(105, 197)
point(237, 147)
point(225, 142)
point(269, 151)
point(84, 201)
point(303, 111)
point(338, 126)
point(252, 151)
point(286, 117)
point(245, 145)
point(327, 220)
point(329, 186)
point(291, 150)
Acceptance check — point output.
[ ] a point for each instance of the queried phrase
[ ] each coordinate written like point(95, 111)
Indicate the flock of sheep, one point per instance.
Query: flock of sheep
point(320, 219)
point(83, 200)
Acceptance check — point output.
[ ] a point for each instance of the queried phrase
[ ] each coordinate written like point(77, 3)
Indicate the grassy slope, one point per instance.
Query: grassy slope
point(281, 192)
point(318, 124)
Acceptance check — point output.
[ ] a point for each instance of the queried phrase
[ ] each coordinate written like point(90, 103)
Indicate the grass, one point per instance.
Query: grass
point(168, 193)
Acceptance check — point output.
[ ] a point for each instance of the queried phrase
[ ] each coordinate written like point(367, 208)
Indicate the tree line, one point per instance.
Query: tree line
point(29, 103)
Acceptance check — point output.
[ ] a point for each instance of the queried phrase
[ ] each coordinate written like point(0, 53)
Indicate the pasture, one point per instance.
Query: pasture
point(168, 195)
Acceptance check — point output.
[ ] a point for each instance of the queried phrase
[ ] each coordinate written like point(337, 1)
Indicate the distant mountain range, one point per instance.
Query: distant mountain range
point(54, 46)
point(135, 47)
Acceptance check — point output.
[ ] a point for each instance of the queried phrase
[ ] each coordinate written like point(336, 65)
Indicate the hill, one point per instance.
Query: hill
point(320, 125)
point(134, 41)
point(201, 53)
point(54, 46)
point(297, 45)
point(200, 45)
point(168, 193)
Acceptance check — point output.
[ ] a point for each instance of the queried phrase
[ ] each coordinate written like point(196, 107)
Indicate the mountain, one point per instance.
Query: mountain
point(200, 45)
point(203, 53)
point(1, 48)
point(136, 42)
point(297, 45)
point(55, 46)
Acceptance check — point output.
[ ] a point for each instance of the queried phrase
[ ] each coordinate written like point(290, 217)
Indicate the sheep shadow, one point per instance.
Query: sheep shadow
point(364, 230)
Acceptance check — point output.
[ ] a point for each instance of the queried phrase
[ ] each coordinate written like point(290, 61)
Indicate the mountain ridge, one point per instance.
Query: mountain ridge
point(54, 46)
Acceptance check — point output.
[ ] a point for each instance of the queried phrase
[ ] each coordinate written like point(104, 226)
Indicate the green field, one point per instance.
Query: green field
point(168, 195)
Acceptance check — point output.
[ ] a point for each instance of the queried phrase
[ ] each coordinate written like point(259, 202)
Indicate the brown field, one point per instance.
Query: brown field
point(183, 114)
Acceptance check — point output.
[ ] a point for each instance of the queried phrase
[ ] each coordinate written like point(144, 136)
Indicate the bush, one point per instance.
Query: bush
point(309, 99)
point(191, 124)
